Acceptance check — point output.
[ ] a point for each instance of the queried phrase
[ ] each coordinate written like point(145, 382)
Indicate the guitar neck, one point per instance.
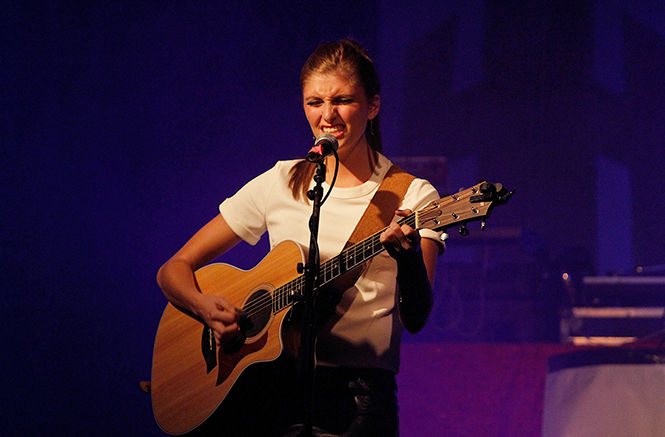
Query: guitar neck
point(474, 203)
point(335, 267)
point(357, 254)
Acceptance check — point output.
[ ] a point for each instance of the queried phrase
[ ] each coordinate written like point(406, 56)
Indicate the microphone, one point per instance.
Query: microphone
point(324, 145)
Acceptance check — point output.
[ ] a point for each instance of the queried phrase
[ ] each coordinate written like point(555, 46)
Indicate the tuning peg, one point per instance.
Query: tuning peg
point(463, 231)
point(483, 223)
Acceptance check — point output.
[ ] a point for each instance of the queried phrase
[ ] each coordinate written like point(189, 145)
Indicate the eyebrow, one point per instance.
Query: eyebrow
point(337, 96)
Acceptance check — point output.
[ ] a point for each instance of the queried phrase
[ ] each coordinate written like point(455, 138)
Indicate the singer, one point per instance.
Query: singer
point(358, 337)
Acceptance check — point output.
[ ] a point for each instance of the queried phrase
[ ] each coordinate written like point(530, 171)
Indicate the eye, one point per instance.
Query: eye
point(343, 100)
point(314, 103)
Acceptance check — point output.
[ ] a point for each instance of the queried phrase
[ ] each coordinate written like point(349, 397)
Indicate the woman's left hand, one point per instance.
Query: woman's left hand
point(402, 240)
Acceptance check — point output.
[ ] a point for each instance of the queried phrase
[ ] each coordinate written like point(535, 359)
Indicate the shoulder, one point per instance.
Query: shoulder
point(284, 167)
point(280, 171)
point(287, 163)
point(423, 186)
point(419, 194)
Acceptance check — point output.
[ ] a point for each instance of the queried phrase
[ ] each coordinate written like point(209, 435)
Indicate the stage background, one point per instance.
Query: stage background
point(125, 124)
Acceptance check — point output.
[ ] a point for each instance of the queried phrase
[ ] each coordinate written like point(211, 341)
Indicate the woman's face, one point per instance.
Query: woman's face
point(336, 103)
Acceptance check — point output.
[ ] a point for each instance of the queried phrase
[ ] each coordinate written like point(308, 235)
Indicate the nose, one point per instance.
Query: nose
point(329, 111)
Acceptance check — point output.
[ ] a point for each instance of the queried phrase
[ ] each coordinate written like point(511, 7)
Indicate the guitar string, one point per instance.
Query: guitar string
point(259, 305)
point(329, 267)
point(334, 264)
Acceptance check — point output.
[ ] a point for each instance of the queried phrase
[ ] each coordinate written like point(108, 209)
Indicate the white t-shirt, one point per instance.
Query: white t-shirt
point(366, 331)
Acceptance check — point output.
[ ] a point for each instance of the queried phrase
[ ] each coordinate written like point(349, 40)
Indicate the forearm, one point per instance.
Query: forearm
point(177, 282)
point(176, 277)
point(415, 291)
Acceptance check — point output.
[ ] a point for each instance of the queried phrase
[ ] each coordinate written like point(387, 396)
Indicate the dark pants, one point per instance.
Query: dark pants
point(267, 401)
point(353, 402)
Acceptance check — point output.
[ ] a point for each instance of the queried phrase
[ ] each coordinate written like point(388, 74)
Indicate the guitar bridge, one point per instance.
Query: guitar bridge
point(209, 349)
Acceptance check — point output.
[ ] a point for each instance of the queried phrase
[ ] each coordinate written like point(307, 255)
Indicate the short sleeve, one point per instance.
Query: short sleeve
point(417, 197)
point(245, 210)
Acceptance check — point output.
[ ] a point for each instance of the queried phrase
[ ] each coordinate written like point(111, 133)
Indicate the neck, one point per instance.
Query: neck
point(354, 170)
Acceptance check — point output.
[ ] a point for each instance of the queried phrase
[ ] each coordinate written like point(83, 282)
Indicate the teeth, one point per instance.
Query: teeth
point(329, 130)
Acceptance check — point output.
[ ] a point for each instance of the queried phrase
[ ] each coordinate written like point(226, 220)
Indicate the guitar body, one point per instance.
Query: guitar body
point(185, 391)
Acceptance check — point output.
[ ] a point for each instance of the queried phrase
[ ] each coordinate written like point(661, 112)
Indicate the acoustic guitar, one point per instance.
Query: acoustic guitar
point(191, 376)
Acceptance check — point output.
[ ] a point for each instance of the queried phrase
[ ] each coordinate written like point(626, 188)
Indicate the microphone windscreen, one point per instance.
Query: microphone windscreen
point(327, 138)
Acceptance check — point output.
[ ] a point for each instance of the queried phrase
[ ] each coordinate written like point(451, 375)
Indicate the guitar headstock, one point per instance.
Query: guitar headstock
point(471, 204)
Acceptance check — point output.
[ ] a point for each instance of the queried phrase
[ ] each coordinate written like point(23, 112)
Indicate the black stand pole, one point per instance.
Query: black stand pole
point(306, 355)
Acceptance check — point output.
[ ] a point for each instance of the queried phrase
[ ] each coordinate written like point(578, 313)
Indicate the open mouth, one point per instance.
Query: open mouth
point(333, 130)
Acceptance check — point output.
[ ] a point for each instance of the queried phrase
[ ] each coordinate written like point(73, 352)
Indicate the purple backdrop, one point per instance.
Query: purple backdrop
point(126, 125)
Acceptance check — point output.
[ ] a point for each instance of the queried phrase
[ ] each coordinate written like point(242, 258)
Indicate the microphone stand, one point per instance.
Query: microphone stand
point(306, 355)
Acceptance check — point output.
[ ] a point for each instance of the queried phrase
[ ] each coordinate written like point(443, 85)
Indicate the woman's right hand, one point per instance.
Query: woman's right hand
point(221, 317)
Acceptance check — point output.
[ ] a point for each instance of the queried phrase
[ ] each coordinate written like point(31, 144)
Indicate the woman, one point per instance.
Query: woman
point(358, 346)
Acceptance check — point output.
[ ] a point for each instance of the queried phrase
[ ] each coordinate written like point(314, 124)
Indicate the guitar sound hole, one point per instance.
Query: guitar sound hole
point(258, 309)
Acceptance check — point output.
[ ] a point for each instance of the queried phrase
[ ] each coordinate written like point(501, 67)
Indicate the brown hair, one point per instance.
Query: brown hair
point(352, 58)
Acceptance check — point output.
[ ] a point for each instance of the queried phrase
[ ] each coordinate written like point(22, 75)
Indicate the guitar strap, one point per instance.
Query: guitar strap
point(378, 215)
point(383, 205)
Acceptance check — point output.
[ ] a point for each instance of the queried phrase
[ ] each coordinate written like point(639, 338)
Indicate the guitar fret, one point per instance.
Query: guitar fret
point(367, 250)
point(326, 273)
point(336, 266)
point(336, 269)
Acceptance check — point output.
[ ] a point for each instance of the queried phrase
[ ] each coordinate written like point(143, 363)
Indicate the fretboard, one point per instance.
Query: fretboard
point(335, 267)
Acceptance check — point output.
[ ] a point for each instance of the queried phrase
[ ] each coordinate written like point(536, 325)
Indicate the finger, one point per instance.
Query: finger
point(224, 304)
point(388, 234)
point(394, 241)
point(218, 337)
point(404, 237)
point(225, 317)
point(224, 332)
point(231, 335)
point(411, 235)
point(401, 235)
point(403, 242)
point(230, 330)
point(227, 310)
